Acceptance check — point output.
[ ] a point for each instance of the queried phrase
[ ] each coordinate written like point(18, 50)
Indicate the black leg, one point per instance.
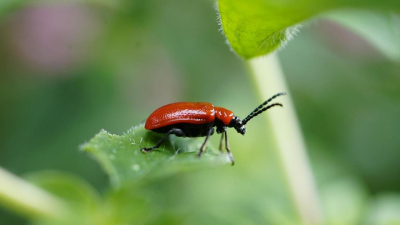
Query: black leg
point(172, 131)
point(205, 141)
point(227, 149)
point(221, 143)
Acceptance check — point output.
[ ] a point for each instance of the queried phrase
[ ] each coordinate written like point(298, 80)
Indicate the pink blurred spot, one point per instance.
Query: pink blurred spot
point(53, 39)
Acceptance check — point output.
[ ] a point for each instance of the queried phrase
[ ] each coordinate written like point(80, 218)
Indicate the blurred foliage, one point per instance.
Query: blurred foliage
point(381, 29)
point(144, 54)
point(84, 201)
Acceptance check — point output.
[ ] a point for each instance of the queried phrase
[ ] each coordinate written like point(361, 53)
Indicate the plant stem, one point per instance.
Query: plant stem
point(28, 200)
point(269, 80)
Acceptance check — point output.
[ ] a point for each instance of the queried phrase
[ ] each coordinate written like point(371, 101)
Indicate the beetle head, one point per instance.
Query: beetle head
point(237, 123)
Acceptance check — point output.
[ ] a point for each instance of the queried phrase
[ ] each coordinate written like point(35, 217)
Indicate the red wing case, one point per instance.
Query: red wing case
point(181, 112)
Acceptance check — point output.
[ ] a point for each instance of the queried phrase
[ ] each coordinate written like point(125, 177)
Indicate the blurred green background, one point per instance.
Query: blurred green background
point(69, 70)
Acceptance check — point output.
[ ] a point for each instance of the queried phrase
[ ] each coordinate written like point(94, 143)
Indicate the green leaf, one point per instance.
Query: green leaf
point(85, 206)
point(66, 186)
point(82, 201)
point(382, 30)
point(121, 158)
point(258, 27)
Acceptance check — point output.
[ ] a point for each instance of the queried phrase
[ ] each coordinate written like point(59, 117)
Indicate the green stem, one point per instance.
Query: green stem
point(269, 80)
point(28, 200)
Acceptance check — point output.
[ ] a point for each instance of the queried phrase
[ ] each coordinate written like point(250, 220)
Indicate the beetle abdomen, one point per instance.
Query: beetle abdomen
point(181, 112)
point(188, 130)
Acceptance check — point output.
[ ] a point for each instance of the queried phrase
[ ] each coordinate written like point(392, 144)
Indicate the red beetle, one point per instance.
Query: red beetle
point(198, 119)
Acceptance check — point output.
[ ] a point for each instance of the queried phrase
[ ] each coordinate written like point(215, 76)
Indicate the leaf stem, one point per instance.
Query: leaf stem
point(28, 200)
point(269, 80)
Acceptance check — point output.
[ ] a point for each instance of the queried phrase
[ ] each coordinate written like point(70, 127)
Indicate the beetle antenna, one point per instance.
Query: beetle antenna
point(260, 108)
point(259, 112)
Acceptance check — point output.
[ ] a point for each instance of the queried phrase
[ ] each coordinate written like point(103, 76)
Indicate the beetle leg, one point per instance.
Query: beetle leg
point(221, 142)
point(205, 141)
point(175, 131)
point(227, 149)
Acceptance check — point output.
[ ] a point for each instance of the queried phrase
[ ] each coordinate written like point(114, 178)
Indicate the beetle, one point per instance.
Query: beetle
point(198, 119)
